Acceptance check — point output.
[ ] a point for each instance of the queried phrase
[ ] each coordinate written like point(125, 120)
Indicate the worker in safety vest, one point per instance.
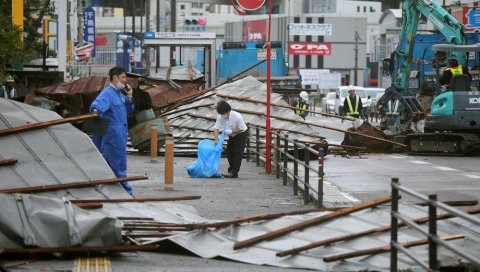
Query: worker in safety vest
point(8, 91)
point(301, 104)
point(392, 112)
point(352, 105)
point(453, 70)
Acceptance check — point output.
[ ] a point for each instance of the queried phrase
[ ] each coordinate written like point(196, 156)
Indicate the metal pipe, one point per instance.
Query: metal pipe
point(45, 124)
point(78, 184)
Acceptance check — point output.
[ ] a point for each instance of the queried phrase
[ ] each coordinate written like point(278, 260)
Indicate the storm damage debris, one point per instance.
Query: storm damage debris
point(371, 138)
point(28, 220)
point(194, 119)
point(75, 97)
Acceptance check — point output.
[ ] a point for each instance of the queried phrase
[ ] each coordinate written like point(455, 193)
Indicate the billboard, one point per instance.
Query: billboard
point(309, 48)
point(468, 16)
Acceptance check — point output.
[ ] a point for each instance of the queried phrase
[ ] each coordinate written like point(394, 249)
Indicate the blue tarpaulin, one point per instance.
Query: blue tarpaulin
point(208, 162)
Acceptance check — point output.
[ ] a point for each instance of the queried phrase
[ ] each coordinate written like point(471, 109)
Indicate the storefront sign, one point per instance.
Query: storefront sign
point(309, 48)
point(310, 29)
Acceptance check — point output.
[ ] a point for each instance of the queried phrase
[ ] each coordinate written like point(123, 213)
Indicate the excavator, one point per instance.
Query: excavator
point(450, 124)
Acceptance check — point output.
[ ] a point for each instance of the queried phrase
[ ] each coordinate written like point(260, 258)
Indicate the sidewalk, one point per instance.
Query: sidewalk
point(254, 192)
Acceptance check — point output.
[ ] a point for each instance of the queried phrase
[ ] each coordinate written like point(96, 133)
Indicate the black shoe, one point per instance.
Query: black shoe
point(230, 175)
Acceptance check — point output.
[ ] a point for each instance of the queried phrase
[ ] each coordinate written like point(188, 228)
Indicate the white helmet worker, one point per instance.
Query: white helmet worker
point(9, 79)
point(351, 88)
point(304, 95)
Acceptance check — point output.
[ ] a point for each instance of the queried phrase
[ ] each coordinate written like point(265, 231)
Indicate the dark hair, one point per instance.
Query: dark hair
point(116, 71)
point(223, 107)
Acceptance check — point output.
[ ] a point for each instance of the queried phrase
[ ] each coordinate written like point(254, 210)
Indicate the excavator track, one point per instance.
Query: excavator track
point(448, 144)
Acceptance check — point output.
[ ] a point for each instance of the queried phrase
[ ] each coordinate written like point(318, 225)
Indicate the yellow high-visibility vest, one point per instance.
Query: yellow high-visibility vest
point(351, 111)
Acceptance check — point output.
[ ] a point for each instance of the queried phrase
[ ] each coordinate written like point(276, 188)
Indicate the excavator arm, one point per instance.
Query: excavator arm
point(445, 23)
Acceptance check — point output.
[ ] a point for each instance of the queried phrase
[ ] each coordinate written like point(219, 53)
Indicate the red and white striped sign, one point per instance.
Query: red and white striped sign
point(309, 48)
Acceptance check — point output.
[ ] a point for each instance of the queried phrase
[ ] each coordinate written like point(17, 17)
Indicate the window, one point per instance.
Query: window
point(372, 9)
point(182, 6)
point(364, 9)
point(358, 8)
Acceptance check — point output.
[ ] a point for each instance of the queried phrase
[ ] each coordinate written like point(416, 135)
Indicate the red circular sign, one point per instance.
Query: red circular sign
point(250, 4)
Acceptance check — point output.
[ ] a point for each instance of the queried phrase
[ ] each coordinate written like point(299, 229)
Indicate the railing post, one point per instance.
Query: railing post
point(153, 143)
point(277, 155)
point(285, 160)
point(169, 161)
point(394, 227)
point(295, 167)
point(432, 231)
point(306, 189)
point(257, 146)
point(320, 176)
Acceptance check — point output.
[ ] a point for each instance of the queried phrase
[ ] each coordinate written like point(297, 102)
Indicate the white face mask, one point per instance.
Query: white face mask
point(120, 86)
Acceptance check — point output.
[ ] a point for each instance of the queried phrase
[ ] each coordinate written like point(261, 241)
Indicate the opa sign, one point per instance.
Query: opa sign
point(309, 48)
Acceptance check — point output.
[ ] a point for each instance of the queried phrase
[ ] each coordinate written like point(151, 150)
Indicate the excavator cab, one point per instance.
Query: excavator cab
point(453, 125)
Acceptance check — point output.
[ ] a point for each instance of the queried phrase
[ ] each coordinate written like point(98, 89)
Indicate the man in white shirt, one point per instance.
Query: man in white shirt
point(232, 124)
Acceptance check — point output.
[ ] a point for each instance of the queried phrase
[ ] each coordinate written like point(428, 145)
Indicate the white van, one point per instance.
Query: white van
point(374, 93)
point(342, 92)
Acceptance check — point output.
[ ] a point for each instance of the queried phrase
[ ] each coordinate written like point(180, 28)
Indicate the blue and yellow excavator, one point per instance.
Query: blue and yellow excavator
point(451, 122)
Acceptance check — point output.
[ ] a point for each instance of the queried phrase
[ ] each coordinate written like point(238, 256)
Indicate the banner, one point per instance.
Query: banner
point(89, 27)
point(309, 48)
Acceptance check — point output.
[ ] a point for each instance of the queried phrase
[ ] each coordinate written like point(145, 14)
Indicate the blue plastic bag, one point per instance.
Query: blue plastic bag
point(208, 162)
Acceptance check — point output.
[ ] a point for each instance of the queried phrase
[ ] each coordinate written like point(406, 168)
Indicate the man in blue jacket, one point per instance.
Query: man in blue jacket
point(115, 103)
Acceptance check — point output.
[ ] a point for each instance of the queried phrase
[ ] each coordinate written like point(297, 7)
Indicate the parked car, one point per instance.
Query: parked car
point(374, 92)
point(330, 102)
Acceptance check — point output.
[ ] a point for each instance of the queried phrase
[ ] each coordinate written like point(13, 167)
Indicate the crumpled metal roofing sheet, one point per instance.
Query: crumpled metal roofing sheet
point(30, 220)
point(196, 120)
point(220, 242)
point(62, 154)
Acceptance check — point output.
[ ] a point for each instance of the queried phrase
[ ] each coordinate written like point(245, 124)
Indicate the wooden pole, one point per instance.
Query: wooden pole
point(377, 250)
point(311, 222)
point(153, 143)
point(315, 124)
point(78, 184)
point(77, 249)
point(8, 162)
point(151, 199)
point(352, 236)
point(246, 98)
point(169, 158)
point(45, 124)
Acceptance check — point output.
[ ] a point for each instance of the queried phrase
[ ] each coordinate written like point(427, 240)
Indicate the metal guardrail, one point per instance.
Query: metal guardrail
point(433, 239)
point(280, 159)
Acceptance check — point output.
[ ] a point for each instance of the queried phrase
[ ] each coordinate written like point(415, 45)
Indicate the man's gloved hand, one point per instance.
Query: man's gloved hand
point(228, 132)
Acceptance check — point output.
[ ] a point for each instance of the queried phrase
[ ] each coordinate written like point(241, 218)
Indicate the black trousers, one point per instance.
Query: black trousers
point(235, 148)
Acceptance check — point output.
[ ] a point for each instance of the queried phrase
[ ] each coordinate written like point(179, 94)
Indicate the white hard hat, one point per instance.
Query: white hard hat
point(304, 95)
point(9, 79)
point(351, 88)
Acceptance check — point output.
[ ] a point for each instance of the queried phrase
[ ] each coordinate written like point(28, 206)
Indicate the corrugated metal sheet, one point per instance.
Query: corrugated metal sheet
point(63, 154)
point(195, 121)
point(220, 242)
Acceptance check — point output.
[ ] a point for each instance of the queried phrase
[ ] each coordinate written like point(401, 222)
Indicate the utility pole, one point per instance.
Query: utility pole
point(147, 29)
point(173, 28)
point(355, 68)
point(157, 49)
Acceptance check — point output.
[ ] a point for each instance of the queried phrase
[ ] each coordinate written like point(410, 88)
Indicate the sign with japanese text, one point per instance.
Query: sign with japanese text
point(309, 48)
point(262, 54)
point(310, 29)
point(89, 27)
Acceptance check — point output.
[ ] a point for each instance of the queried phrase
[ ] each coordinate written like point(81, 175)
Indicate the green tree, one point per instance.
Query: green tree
point(12, 48)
